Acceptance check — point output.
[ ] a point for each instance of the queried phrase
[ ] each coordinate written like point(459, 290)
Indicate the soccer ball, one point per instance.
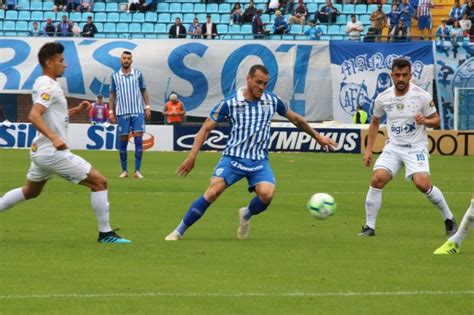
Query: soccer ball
point(321, 206)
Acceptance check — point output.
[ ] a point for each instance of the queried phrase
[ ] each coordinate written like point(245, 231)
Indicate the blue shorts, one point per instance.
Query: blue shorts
point(424, 22)
point(131, 122)
point(233, 169)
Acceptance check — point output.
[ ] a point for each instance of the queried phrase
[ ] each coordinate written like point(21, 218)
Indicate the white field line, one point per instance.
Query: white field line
point(238, 294)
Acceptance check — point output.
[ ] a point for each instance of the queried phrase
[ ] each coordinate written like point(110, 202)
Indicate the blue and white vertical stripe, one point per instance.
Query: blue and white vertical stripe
point(128, 92)
point(250, 124)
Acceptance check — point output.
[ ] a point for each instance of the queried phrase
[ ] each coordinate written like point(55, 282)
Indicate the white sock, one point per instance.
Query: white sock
point(11, 198)
point(436, 197)
point(373, 202)
point(100, 204)
point(466, 224)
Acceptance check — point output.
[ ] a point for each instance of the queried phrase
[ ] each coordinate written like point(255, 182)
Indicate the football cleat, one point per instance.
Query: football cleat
point(367, 231)
point(124, 174)
point(174, 236)
point(112, 238)
point(451, 227)
point(244, 225)
point(448, 248)
point(138, 175)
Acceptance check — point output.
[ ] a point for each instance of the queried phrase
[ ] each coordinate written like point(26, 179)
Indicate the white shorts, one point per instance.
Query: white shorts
point(415, 159)
point(69, 166)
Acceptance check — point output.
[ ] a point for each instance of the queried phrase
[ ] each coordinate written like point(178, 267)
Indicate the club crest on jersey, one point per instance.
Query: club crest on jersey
point(219, 171)
point(34, 147)
point(432, 104)
point(400, 106)
point(44, 96)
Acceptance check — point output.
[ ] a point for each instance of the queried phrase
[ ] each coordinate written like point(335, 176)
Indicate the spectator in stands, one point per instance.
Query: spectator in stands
point(258, 27)
point(379, 20)
point(177, 30)
point(423, 13)
point(354, 28)
point(249, 12)
point(59, 5)
point(400, 33)
point(49, 29)
point(299, 14)
point(9, 5)
point(147, 5)
point(236, 14)
point(209, 29)
point(327, 14)
point(442, 33)
point(280, 27)
point(194, 29)
point(174, 111)
point(471, 34)
point(456, 13)
point(455, 33)
point(406, 11)
point(393, 18)
point(35, 31)
point(72, 5)
point(86, 5)
point(133, 5)
point(89, 29)
point(64, 28)
point(315, 31)
point(465, 23)
point(76, 31)
point(272, 6)
point(469, 10)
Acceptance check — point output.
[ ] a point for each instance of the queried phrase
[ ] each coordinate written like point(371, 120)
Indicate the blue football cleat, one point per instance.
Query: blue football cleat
point(112, 238)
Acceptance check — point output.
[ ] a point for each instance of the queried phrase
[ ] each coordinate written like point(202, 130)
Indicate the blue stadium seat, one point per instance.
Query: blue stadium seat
point(111, 35)
point(100, 35)
point(338, 6)
point(75, 16)
point(187, 8)
point(234, 29)
point(113, 17)
point(333, 29)
point(49, 15)
point(48, 5)
point(246, 29)
point(111, 7)
point(125, 17)
point(312, 7)
point(2, 14)
point(224, 8)
point(215, 17)
point(176, 15)
point(99, 7)
point(387, 8)
point(212, 8)
point(9, 25)
point(100, 27)
point(365, 19)
point(138, 17)
point(265, 18)
point(164, 17)
point(371, 8)
point(348, 9)
point(11, 15)
point(22, 5)
point(100, 17)
point(21, 26)
point(188, 18)
point(175, 7)
point(237, 37)
point(24, 15)
point(296, 29)
point(122, 28)
point(201, 17)
point(147, 27)
point(199, 8)
point(134, 28)
point(137, 36)
point(222, 29)
point(324, 27)
point(151, 17)
point(360, 9)
point(36, 6)
point(163, 7)
point(225, 18)
point(260, 6)
point(160, 28)
point(109, 27)
point(85, 15)
point(342, 29)
point(37, 16)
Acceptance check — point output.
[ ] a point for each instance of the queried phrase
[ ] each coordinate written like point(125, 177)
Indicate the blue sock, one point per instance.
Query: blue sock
point(138, 152)
point(255, 207)
point(123, 154)
point(195, 212)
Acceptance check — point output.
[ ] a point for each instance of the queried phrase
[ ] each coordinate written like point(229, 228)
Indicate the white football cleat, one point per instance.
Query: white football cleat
point(244, 225)
point(138, 175)
point(174, 236)
point(124, 174)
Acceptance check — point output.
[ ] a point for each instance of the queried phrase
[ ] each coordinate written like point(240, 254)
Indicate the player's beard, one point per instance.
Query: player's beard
point(404, 86)
point(125, 65)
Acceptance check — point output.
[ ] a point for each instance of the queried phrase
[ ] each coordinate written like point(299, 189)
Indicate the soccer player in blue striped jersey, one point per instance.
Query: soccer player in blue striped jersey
point(249, 112)
point(129, 97)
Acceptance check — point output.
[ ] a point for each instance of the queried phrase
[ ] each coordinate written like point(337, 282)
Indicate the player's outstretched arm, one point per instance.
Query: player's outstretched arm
point(373, 131)
point(297, 120)
point(83, 106)
point(36, 118)
point(199, 140)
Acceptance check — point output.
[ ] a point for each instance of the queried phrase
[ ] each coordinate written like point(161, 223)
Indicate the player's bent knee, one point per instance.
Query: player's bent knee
point(212, 194)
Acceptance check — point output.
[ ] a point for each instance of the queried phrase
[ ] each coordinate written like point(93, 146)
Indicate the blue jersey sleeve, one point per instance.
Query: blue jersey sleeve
point(141, 82)
point(113, 87)
point(219, 112)
point(281, 107)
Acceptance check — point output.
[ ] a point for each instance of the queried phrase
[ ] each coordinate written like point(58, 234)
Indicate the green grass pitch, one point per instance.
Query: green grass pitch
point(50, 261)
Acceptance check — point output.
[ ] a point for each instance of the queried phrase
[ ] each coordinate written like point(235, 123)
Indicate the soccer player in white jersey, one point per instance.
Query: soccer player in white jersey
point(49, 151)
point(410, 110)
point(249, 112)
point(453, 244)
point(128, 95)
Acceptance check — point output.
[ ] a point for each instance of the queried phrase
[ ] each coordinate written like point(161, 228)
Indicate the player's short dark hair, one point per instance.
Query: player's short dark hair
point(401, 63)
point(254, 69)
point(48, 51)
point(127, 52)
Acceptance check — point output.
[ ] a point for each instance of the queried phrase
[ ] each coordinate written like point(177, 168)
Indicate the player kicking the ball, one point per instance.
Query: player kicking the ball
point(249, 112)
point(49, 151)
point(409, 111)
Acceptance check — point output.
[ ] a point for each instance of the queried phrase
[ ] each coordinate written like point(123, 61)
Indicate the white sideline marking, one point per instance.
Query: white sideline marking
point(240, 294)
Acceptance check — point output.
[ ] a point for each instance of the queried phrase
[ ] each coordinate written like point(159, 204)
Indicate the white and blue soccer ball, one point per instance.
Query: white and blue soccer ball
point(321, 206)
